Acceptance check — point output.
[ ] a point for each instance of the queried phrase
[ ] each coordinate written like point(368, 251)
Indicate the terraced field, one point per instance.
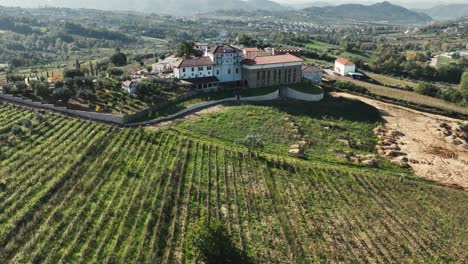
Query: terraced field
point(73, 191)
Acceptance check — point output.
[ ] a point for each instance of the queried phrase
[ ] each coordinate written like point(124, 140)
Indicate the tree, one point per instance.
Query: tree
point(211, 243)
point(72, 73)
point(119, 59)
point(252, 142)
point(464, 82)
point(427, 89)
point(115, 71)
point(187, 49)
point(63, 94)
point(40, 89)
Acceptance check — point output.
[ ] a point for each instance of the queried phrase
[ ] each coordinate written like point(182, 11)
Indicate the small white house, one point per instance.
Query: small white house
point(344, 66)
point(129, 86)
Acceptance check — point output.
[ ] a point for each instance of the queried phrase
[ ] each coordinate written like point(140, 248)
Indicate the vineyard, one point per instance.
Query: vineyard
point(74, 191)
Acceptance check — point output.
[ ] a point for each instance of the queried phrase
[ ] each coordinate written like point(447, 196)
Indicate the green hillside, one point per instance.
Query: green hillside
point(73, 191)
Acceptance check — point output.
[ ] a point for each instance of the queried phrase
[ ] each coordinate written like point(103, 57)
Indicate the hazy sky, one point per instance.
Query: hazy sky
point(297, 3)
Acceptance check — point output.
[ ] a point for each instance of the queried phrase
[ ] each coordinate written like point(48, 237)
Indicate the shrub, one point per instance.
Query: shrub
point(427, 89)
point(349, 86)
point(115, 71)
point(211, 243)
point(451, 95)
point(63, 94)
point(252, 142)
point(72, 73)
point(17, 130)
point(26, 123)
point(40, 89)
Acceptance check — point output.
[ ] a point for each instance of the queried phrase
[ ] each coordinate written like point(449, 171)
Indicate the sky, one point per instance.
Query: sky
point(294, 3)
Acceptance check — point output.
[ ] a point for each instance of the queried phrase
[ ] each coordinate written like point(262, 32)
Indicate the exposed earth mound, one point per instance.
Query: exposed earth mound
point(434, 146)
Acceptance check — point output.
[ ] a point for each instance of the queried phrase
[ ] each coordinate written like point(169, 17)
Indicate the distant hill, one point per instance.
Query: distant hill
point(447, 12)
point(172, 7)
point(379, 12)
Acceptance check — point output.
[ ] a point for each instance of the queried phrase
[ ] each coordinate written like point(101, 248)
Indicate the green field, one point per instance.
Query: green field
point(335, 50)
point(73, 191)
point(444, 61)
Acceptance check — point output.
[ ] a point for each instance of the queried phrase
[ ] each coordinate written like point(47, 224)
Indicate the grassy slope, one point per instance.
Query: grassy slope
point(110, 194)
point(323, 123)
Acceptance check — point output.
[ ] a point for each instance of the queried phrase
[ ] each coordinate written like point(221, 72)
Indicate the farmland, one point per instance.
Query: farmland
point(77, 191)
point(406, 96)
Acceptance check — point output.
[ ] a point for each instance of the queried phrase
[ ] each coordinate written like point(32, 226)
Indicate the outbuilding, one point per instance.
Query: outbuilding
point(343, 66)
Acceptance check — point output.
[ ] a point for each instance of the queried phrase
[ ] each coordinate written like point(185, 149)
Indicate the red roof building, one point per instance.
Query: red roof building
point(344, 61)
point(275, 59)
point(202, 61)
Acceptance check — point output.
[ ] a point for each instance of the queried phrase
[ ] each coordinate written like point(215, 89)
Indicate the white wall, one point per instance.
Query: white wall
point(344, 69)
point(293, 94)
point(196, 73)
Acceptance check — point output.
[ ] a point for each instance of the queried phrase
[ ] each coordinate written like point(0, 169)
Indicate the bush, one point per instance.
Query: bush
point(115, 71)
point(63, 94)
point(72, 73)
point(252, 142)
point(40, 89)
point(349, 86)
point(427, 89)
point(211, 243)
point(17, 130)
point(451, 95)
point(87, 95)
point(26, 123)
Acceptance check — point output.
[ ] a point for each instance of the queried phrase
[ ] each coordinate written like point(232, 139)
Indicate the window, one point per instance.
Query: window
point(258, 76)
point(279, 76)
point(193, 69)
point(217, 72)
point(208, 68)
point(183, 69)
point(200, 68)
point(294, 76)
point(274, 75)
point(237, 70)
point(229, 71)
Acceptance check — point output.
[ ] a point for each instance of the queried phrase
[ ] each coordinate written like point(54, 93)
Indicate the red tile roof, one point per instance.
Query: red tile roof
point(220, 49)
point(344, 61)
point(202, 61)
point(250, 49)
point(275, 59)
point(311, 69)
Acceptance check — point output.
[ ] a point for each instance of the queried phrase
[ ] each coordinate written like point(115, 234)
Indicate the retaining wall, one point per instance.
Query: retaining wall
point(293, 94)
point(110, 118)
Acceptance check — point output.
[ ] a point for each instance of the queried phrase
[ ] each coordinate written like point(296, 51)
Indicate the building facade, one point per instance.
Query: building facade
point(344, 66)
point(193, 68)
point(227, 63)
point(274, 70)
point(313, 74)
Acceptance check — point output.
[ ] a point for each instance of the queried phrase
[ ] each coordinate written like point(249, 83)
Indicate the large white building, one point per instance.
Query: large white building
point(193, 68)
point(343, 66)
point(227, 63)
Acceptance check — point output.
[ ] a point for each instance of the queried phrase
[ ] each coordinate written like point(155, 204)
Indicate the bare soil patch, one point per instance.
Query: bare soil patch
point(434, 146)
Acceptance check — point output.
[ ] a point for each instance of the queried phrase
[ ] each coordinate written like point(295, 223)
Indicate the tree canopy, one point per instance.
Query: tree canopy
point(211, 243)
point(187, 49)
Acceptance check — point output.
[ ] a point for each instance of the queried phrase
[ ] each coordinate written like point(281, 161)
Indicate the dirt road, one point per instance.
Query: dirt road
point(433, 146)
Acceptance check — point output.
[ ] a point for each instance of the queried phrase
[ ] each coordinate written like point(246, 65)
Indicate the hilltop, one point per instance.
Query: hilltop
point(447, 12)
point(380, 12)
